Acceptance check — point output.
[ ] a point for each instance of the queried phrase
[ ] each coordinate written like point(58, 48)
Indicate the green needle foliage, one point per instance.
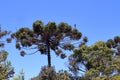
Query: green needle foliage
point(115, 77)
point(99, 61)
point(45, 38)
point(60, 75)
point(92, 60)
point(6, 70)
point(46, 73)
point(115, 44)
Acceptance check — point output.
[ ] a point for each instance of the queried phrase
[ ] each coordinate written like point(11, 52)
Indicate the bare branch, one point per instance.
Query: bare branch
point(29, 48)
point(32, 53)
point(71, 43)
point(81, 70)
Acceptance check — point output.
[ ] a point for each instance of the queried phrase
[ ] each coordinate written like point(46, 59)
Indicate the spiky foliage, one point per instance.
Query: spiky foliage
point(2, 34)
point(104, 77)
point(60, 75)
point(92, 60)
point(115, 44)
point(6, 70)
point(46, 73)
point(45, 38)
point(115, 77)
point(63, 75)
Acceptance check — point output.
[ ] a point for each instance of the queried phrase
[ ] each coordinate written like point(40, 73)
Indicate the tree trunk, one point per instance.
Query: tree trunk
point(49, 57)
point(49, 63)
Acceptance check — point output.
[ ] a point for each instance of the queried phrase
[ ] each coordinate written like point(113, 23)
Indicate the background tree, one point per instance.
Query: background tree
point(115, 44)
point(6, 70)
point(46, 73)
point(45, 38)
point(101, 60)
point(94, 60)
point(60, 75)
point(63, 75)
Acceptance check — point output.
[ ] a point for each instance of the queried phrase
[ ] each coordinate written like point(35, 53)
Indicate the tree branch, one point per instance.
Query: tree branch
point(32, 53)
point(81, 70)
point(29, 48)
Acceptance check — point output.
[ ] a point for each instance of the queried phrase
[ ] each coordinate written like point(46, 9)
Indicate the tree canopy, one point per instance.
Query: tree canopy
point(60, 75)
point(45, 38)
point(6, 70)
point(99, 59)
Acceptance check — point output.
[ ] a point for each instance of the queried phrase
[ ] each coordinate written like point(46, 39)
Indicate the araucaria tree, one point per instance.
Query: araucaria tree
point(6, 70)
point(60, 75)
point(45, 38)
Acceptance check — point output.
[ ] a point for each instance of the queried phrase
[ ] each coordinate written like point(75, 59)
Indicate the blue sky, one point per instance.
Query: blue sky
point(97, 19)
